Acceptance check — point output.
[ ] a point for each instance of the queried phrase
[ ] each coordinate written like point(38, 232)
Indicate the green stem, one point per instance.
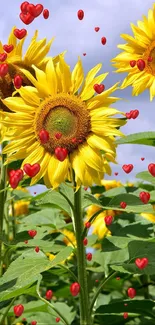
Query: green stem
point(85, 317)
point(69, 271)
point(6, 311)
point(104, 281)
point(2, 201)
point(14, 219)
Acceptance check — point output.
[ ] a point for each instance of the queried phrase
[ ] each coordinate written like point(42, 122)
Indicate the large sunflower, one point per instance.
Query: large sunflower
point(84, 121)
point(139, 47)
point(35, 54)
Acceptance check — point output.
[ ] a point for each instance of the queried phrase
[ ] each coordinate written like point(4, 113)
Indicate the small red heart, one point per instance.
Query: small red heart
point(19, 173)
point(20, 33)
point(35, 11)
point(134, 114)
point(80, 14)
point(46, 13)
point(125, 315)
point(132, 63)
point(97, 29)
point(37, 249)
point(99, 88)
point(131, 293)
point(103, 40)
point(151, 169)
point(58, 135)
point(8, 48)
point(128, 115)
point(141, 64)
point(32, 233)
point(3, 57)
point(31, 170)
point(127, 168)
point(108, 220)
point(84, 54)
point(18, 310)
point(141, 263)
point(61, 153)
point(34, 322)
point(18, 81)
point(150, 59)
point(24, 7)
point(142, 158)
point(144, 197)
point(44, 136)
point(57, 319)
point(123, 205)
point(116, 174)
point(3, 69)
point(14, 181)
point(26, 19)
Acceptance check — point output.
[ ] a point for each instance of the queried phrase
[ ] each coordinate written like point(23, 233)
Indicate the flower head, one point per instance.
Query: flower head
point(138, 56)
point(55, 105)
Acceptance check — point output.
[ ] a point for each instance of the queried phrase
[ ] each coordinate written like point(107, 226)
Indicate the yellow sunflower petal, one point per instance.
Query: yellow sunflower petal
point(91, 157)
point(51, 77)
point(100, 143)
point(43, 168)
point(17, 105)
point(77, 77)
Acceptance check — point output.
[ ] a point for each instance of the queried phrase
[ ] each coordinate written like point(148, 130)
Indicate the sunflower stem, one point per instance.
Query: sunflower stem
point(2, 201)
point(85, 317)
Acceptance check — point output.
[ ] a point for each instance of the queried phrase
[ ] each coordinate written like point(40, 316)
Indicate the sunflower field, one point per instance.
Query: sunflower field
point(77, 243)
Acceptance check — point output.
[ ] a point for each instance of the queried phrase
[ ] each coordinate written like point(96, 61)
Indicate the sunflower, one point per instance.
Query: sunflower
point(35, 54)
point(139, 49)
point(55, 106)
point(109, 184)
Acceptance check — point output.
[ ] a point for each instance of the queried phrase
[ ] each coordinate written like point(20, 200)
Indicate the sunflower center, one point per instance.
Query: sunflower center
point(65, 114)
point(61, 119)
point(150, 53)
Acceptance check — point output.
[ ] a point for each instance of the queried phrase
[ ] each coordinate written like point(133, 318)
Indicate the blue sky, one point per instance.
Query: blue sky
point(113, 17)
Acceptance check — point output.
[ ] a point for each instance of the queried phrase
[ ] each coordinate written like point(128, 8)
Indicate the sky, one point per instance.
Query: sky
point(114, 18)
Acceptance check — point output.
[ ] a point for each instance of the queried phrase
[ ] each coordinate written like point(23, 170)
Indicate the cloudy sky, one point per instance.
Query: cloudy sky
point(113, 17)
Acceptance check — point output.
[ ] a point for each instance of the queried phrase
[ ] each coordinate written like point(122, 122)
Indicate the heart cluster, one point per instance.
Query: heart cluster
point(140, 63)
point(30, 11)
point(132, 114)
point(15, 176)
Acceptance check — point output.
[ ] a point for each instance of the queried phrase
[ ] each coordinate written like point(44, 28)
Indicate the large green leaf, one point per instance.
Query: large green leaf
point(145, 138)
point(45, 217)
point(146, 176)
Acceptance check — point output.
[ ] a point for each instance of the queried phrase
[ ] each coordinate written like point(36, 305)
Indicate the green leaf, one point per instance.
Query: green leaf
point(54, 199)
point(146, 176)
point(115, 191)
point(134, 204)
point(45, 217)
point(144, 138)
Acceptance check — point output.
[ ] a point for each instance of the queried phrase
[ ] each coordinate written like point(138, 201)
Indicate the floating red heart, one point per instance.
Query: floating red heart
point(103, 40)
point(18, 310)
point(141, 262)
point(142, 158)
point(80, 14)
point(31, 170)
point(108, 220)
point(141, 64)
point(132, 63)
point(3, 57)
point(49, 294)
point(144, 197)
point(115, 173)
point(37, 249)
point(44, 136)
point(131, 293)
point(75, 289)
point(61, 153)
point(57, 319)
point(123, 205)
point(89, 257)
point(97, 29)
point(134, 114)
point(14, 181)
point(32, 233)
point(8, 48)
point(24, 7)
point(15, 177)
point(150, 59)
point(58, 135)
point(35, 11)
point(128, 115)
point(151, 169)
point(127, 168)
point(26, 19)
point(99, 88)
point(46, 13)
point(3, 69)
point(18, 81)
point(125, 315)
point(20, 33)
point(84, 54)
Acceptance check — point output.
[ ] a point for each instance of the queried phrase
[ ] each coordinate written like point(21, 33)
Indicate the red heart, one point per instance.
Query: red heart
point(84, 54)
point(3, 69)
point(134, 114)
point(99, 88)
point(132, 63)
point(142, 158)
point(20, 33)
point(24, 6)
point(35, 11)
point(116, 174)
point(131, 293)
point(127, 168)
point(32, 233)
point(108, 220)
point(18, 81)
point(31, 170)
point(128, 115)
point(151, 169)
point(97, 29)
point(44, 136)
point(26, 19)
point(15, 177)
point(141, 64)
point(123, 205)
point(14, 181)
point(144, 197)
point(58, 135)
point(80, 14)
point(3, 57)
point(19, 173)
point(8, 48)
point(141, 262)
point(18, 310)
point(46, 13)
point(61, 153)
